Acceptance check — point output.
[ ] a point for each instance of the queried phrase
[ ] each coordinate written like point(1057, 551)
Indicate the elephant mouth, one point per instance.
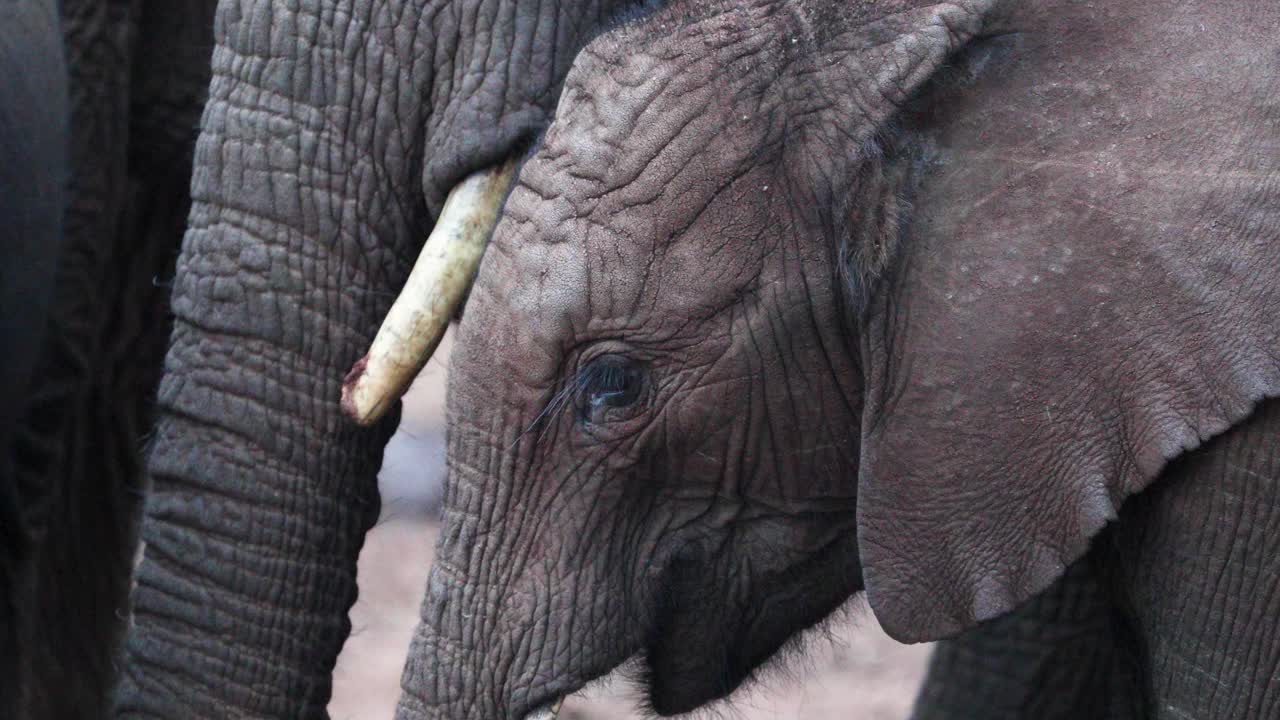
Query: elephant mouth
point(435, 290)
point(548, 701)
point(548, 711)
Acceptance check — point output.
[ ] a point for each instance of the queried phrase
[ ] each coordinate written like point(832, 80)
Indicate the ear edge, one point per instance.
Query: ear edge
point(1100, 504)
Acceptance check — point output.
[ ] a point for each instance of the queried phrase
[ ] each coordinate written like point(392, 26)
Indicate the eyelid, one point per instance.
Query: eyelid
point(596, 375)
point(594, 390)
point(589, 353)
point(567, 398)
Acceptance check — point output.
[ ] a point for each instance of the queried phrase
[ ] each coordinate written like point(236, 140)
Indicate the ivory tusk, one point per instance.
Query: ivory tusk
point(436, 287)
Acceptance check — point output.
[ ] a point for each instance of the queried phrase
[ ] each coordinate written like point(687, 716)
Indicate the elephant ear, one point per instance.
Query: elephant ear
point(1087, 288)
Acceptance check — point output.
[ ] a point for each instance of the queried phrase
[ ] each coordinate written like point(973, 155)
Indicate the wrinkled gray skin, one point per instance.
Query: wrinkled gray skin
point(1164, 616)
point(333, 131)
point(792, 300)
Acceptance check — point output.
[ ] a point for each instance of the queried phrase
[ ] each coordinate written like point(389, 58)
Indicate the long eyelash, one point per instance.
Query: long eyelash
point(557, 403)
point(571, 391)
point(583, 380)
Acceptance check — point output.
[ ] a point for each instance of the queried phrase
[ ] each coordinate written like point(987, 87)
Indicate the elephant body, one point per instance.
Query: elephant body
point(99, 104)
point(969, 306)
point(1169, 612)
point(33, 129)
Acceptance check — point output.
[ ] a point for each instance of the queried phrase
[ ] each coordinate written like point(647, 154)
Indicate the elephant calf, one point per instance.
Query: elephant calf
point(797, 300)
point(970, 306)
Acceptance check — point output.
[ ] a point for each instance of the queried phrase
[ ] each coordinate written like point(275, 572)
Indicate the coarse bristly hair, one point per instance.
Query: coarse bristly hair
point(868, 219)
point(872, 214)
point(789, 666)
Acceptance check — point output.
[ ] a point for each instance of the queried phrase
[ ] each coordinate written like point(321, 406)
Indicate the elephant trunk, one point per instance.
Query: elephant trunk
point(508, 627)
point(478, 650)
point(332, 132)
point(261, 491)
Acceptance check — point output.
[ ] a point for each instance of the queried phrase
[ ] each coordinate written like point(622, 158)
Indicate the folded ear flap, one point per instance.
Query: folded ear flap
point(862, 61)
point(1088, 286)
point(847, 69)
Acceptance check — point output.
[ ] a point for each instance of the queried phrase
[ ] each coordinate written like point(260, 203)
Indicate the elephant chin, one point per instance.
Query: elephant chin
point(704, 648)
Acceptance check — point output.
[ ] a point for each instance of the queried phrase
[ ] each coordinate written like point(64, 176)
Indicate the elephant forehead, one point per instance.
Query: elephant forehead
point(649, 124)
point(645, 204)
point(638, 269)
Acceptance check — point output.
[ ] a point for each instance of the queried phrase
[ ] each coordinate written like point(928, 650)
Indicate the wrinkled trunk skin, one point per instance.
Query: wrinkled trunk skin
point(503, 629)
point(453, 670)
point(333, 131)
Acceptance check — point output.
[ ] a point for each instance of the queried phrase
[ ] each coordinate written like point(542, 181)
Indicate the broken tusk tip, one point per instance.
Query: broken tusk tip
point(353, 375)
point(432, 295)
point(349, 406)
point(350, 403)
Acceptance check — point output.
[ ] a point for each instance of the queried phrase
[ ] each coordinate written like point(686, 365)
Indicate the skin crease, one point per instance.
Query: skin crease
point(1013, 375)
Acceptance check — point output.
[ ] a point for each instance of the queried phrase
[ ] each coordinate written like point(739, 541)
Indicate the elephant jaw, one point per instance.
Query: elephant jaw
point(432, 295)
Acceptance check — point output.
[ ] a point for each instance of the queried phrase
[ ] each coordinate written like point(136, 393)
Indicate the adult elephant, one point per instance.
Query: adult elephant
point(791, 301)
point(98, 109)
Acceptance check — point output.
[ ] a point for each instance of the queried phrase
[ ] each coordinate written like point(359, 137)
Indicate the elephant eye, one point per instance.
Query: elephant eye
point(608, 387)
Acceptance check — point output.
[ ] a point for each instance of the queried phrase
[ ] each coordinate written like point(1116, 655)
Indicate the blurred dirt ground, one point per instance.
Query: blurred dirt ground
point(860, 674)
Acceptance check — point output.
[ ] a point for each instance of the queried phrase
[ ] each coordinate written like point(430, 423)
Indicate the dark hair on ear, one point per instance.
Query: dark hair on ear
point(869, 215)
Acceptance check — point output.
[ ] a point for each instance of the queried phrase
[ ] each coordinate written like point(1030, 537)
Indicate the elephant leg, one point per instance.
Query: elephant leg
point(1195, 566)
point(1065, 654)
